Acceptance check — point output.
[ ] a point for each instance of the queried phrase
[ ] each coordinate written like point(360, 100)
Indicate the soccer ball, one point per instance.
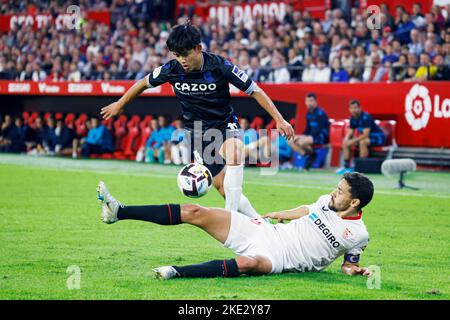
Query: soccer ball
point(194, 180)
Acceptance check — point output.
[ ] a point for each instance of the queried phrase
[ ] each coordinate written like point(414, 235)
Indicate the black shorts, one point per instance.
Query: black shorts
point(208, 143)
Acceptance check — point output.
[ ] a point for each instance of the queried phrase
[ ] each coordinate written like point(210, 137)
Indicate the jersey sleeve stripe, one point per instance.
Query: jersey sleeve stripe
point(251, 88)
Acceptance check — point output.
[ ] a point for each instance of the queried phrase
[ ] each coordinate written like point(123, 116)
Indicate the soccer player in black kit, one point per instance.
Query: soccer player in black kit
point(201, 83)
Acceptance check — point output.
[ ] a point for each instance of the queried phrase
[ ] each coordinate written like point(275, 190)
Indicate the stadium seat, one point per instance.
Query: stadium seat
point(25, 116)
point(257, 123)
point(120, 132)
point(70, 120)
point(108, 123)
point(130, 142)
point(59, 116)
point(146, 130)
point(337, 133)
point(80, 125)
point(292, 122)
point(47, 115)
point(388, 127)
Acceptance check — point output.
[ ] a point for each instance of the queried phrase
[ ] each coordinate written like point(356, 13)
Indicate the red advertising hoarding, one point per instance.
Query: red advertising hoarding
point(422, 110)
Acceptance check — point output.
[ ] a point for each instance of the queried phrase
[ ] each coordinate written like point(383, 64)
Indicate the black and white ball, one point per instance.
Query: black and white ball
point(194, 180)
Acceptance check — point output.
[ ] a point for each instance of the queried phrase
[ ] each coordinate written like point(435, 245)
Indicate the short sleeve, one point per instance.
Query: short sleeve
point(367, 121)
point(359, 247)
point(352, 124)
point(158, 76)
point(237, 77)
point(322, 202)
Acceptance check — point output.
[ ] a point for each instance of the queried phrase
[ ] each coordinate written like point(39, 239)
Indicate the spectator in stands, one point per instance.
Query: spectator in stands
point(338, 74)
point(363, 133)
point(417, 16)
point(254, 70)
point(309, 70)
point(99, 140)
point(154, 150)
point(179, 144)
point(75, 74)
point(427, 70)
point(373, 69)
point(443, 70)
point(279, 73)
point(404, 27)
point(10, 137)
point(389, 55)
point(135, 72)
point(317, 130)
point(360, 63)
point(415, 46)
point(64, 137)
point(400, 68)
point(323, 72)
point(347, 59)
point(39, 138)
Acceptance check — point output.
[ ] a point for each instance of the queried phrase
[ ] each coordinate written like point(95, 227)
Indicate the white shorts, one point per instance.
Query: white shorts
point(254, 237)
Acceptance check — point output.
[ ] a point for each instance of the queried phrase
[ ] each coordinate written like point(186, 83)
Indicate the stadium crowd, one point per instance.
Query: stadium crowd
point(153, 139)
point(410, 46)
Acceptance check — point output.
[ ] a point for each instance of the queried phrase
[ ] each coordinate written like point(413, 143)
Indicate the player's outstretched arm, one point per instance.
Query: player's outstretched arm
point(293, 214)
point(353, 269)
point(117, 107)
point(267, 104)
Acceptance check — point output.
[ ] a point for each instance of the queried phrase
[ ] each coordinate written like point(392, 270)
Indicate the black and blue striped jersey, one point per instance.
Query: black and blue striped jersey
point(204, 95)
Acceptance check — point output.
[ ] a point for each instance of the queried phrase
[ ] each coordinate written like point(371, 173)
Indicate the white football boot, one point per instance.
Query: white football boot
point(165, 272)
point(110, 206)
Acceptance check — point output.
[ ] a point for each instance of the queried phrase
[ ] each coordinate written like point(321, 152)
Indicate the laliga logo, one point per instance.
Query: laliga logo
point(418, 107)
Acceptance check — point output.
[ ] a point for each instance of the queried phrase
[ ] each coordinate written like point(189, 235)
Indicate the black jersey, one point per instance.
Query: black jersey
point(204, 95)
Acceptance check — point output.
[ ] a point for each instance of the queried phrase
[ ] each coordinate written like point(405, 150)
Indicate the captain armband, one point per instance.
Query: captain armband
point(351, 258)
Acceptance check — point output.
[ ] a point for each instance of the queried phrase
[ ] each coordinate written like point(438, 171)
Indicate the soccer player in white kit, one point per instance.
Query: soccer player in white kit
point(316, 235)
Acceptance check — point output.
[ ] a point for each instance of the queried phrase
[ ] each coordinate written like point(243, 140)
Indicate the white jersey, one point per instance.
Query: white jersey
point(314, 241)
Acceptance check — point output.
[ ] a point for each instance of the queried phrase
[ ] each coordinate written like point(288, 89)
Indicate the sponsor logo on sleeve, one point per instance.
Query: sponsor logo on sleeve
point(240, 74)
point(156, 72)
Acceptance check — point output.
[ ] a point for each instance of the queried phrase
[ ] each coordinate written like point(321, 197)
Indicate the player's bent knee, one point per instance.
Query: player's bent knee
point(192, 213)
point(254, 265)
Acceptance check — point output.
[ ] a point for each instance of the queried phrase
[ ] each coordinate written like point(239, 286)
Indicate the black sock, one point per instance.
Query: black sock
point(347, 164)
point(167, 214)
point(210, 269)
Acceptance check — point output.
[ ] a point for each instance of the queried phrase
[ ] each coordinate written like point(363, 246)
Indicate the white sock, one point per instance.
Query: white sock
point(232, 185)
point(246, 208)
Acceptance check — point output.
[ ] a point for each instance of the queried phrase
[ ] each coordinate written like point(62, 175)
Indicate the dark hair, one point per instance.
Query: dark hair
point(360, 187)
point(182, 38)
point(311, 95)
point(354, 101)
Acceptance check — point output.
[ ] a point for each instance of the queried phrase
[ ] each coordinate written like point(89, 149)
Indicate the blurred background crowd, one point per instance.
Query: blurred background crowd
point(409, 46)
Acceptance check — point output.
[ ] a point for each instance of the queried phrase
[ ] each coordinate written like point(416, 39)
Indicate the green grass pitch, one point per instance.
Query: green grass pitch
point(50, 220)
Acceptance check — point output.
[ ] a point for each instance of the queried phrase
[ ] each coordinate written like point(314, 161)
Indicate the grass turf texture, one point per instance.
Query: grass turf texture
point(50, 220)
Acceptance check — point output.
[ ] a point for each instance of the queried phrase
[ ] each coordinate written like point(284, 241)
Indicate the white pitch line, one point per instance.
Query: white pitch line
point(273, 184)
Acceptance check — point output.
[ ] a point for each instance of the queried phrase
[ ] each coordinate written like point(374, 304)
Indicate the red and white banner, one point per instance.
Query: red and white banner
point(422, 110)
point(10, 22)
